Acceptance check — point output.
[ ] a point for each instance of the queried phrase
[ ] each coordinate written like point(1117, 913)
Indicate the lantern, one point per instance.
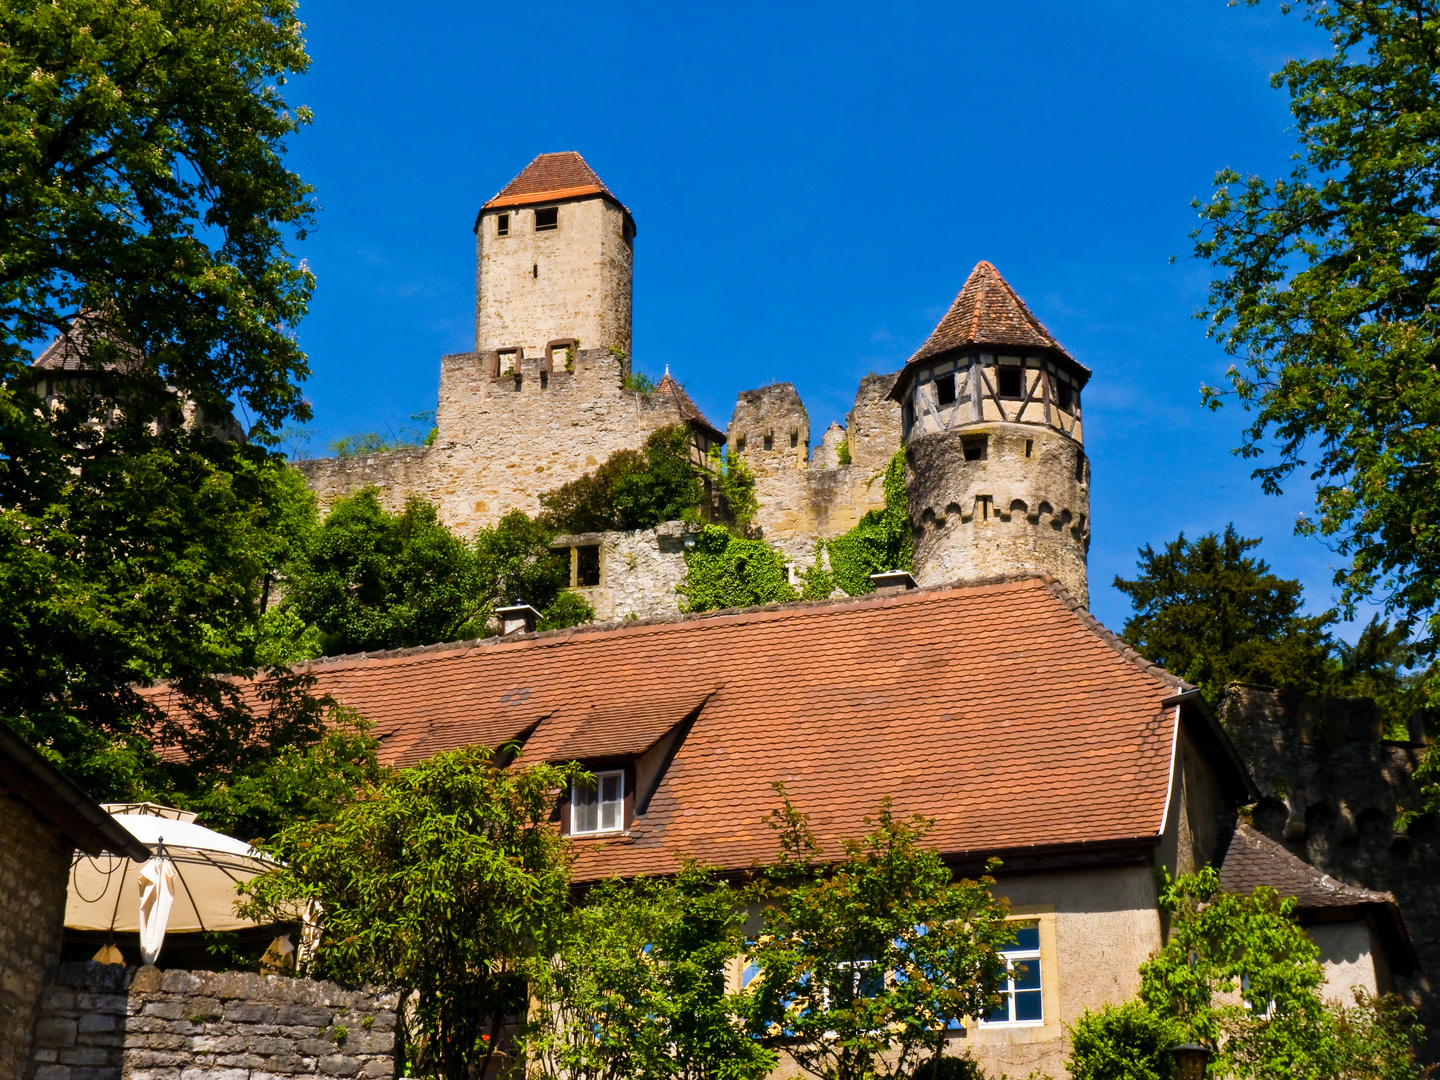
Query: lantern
point(1190, 1060)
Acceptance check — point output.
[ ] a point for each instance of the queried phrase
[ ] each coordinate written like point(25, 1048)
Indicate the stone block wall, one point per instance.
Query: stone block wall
point(105, 1022)
point(638, 571)
point(1330, 788)
point(34, 869)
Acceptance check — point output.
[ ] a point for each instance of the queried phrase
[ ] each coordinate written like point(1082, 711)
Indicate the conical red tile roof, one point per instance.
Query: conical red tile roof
point(988, 312)
point(688, 409)
point(550, 177)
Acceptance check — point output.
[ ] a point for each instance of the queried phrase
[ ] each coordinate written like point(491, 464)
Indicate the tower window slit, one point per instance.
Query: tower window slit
point(769, 440)
point(1029, 446)
point(794, 438)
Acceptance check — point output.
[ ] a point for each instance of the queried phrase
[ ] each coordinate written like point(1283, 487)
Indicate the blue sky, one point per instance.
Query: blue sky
point(812, 183)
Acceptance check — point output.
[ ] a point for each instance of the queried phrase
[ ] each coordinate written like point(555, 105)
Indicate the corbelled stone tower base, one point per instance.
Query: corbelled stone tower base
point(996, 473)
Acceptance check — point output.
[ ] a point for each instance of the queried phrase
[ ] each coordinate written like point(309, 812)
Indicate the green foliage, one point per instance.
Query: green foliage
point(735, 484)
point(1239, 975)
point(842, 453)
point(1123, 1042)
point(632, 489)
point(723, 570)
point(569, 609)
point(143, 181)
point(150, 561)
point(444, 881)
point(881, 540)
point(295, 783)
point(636, 988)
point(863, 964)
point(1209, 613)
point(637, 382)
point(370, 579)
point(1326, 285)
point(372, 442)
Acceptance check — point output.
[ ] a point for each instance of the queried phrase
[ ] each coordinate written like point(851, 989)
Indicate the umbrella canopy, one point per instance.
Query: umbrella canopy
point(104, 892)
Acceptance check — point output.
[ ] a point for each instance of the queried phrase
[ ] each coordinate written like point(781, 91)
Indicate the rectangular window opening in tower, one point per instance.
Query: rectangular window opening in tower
point(547, 218)
point(976, 447)
point(794, 438)
point(502, 225)
point(1010, 382)
point(945, 389)
point(1029, 447)
point(770, 440)
point(1065, 395)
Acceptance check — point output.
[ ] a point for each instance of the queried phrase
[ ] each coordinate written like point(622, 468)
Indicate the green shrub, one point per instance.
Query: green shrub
point(569, 609)
point(1122, 1042)
point(723, 570)
point(735, 484)
point(960, 1067)
point(882, 540)
point(842, 453)
point(632, 489)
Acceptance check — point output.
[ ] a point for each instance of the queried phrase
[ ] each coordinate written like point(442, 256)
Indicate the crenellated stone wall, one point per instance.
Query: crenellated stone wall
point(1331, 787)
point(107, 1022)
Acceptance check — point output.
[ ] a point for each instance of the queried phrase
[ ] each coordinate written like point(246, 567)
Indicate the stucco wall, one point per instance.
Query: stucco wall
point(1025, 506)
point(1352, 957)
point(34, 869)
point(573, 281)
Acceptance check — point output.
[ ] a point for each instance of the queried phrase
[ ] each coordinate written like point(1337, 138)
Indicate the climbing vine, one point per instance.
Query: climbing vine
point(882, 540)
point(723, 570)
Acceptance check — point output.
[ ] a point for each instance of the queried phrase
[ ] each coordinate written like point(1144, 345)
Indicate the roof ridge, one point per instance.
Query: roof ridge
point(1321, 880)
point(1114, 640)
point(567, 632)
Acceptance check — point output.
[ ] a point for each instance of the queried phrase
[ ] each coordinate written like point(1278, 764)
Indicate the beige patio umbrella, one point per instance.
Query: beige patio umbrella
point(189, 885)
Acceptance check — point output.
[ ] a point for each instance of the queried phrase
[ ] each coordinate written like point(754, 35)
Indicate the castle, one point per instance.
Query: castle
point(987, 411)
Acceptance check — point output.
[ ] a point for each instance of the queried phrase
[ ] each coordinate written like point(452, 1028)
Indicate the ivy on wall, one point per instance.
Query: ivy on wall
point(723, 570)
point(632, 489)
point(882, 540)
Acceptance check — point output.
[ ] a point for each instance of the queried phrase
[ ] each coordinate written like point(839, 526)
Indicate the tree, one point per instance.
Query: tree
point(637, 987)
point(371, 579)
point(1239, 975)
point(444, 881)
point(1122, 1042)
point(863, 964)
point(1328, 285)
point(632, 489)
point(143, 212)
point(1211, 614)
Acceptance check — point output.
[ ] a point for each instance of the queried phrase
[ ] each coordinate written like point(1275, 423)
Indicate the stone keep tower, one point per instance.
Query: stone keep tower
point(996, 472)
point(554, 258)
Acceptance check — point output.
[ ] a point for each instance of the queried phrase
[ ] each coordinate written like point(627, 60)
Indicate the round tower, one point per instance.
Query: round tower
point(996, 472)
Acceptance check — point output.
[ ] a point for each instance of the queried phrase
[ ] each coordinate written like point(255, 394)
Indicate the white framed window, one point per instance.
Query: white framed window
point(1021, 990)
point(599, 807)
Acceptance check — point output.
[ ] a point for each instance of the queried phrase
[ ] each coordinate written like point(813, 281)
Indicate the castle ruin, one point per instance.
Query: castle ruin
point(988, 411)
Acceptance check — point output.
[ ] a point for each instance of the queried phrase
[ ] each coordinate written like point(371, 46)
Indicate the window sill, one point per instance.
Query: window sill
point(607, 834)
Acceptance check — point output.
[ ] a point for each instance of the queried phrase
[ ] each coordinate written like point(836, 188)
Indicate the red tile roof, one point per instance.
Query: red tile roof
point(688, 409)
point(549, 178)
point(988, 312)
point(1002, 710)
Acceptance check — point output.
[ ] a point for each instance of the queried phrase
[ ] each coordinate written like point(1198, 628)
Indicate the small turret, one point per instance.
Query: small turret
point(997, 477)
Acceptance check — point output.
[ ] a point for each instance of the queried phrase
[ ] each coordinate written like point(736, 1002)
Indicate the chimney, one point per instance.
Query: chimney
point(892, 581)
point(518, 618)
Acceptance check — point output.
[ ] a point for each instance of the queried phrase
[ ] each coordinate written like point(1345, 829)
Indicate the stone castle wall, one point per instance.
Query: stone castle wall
point(1330, 790)
point(1022, 505)
point(107, 1022)
point(570, 282)
point(638, 571)
point(34, 870)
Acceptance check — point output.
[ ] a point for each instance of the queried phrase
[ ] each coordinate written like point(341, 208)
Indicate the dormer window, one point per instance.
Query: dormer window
point(502, 225)
point(547, 217)
point(599, 807)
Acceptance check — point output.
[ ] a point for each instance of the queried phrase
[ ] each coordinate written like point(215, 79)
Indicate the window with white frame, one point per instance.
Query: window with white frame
point(598, 807)
point(1020, 990)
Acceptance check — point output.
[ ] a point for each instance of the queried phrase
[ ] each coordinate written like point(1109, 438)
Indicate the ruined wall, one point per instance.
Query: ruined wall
point(638, 571)
point(34, 870)
point(1330, 789)
point(572, 281)
point(1018, 501)
point(105, 1022)
point(501, 441)
point(802, 501)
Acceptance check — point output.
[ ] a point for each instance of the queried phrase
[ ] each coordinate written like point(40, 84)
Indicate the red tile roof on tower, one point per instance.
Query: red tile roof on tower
point(688, 409)
point(988, 312)
point(1002, 710)
point(551, 177)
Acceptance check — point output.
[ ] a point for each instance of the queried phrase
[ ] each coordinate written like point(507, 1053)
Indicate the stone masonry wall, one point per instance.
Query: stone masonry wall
point(34, 869)
point(638, 571)
point(105, 1022)
point(1330, 788)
